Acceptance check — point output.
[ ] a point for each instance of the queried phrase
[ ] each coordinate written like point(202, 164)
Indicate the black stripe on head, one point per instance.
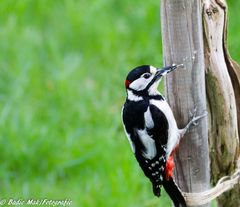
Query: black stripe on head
point(137, 72)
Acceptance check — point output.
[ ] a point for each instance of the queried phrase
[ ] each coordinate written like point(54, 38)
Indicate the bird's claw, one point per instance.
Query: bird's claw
point(194, 118)
point(195, 123)
point(193, 114)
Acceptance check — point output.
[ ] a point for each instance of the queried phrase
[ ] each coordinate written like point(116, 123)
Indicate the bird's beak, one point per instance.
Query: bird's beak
point(164, 71)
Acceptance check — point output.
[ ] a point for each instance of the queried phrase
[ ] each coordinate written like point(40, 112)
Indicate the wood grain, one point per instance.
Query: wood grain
point(182, 37)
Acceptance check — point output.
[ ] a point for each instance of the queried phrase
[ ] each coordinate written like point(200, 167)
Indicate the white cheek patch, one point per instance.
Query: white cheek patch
point(153, 70)
point(139, 84)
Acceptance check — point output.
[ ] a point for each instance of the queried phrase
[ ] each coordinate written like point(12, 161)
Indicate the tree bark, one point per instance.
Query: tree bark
point(223, 94)
point(182, 36)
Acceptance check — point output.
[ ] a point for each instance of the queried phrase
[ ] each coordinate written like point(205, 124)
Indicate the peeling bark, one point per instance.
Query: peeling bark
point(223, 94)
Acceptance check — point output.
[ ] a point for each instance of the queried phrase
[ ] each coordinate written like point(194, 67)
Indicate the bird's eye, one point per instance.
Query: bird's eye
point(147, 75)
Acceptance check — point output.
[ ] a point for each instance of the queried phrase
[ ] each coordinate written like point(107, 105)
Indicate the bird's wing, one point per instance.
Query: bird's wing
point(156, 128)
point(159, 131)
point(148, 137)
point(133, 119)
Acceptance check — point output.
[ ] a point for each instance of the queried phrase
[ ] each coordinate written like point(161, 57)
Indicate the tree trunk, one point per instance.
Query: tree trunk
point(223, 94)
point(185, 89)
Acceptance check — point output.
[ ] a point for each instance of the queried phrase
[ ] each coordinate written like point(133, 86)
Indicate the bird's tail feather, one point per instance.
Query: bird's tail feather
point(157, 190)
point(174, 193)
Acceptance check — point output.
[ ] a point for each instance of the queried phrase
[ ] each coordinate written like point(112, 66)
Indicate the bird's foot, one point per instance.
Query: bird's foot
point(195, 118)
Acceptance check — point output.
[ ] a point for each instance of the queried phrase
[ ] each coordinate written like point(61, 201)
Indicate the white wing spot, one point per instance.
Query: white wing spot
point(148, 143)
point(148, 119)
point(161, 158)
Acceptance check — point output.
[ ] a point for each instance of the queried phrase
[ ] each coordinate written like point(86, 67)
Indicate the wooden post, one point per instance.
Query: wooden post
point(182, 36)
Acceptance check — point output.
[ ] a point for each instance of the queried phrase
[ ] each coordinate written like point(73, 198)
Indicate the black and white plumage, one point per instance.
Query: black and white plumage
point(151, 128)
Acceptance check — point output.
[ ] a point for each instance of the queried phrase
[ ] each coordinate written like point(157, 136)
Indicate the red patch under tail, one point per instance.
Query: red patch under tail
point(170, 165)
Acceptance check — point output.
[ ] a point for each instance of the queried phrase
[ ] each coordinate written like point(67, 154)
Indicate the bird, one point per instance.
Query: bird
point(151, 128)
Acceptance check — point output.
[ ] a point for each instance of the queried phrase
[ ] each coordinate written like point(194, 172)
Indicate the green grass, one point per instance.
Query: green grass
point(234, 30)
point(62, 68)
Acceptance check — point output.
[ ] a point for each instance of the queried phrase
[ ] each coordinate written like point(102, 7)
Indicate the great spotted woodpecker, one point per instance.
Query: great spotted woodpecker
point(151, 128)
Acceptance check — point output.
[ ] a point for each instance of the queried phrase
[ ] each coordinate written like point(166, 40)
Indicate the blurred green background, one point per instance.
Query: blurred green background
point(62, 69)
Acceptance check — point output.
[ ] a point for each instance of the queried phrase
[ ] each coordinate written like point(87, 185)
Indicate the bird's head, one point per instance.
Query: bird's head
point(146, 78)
